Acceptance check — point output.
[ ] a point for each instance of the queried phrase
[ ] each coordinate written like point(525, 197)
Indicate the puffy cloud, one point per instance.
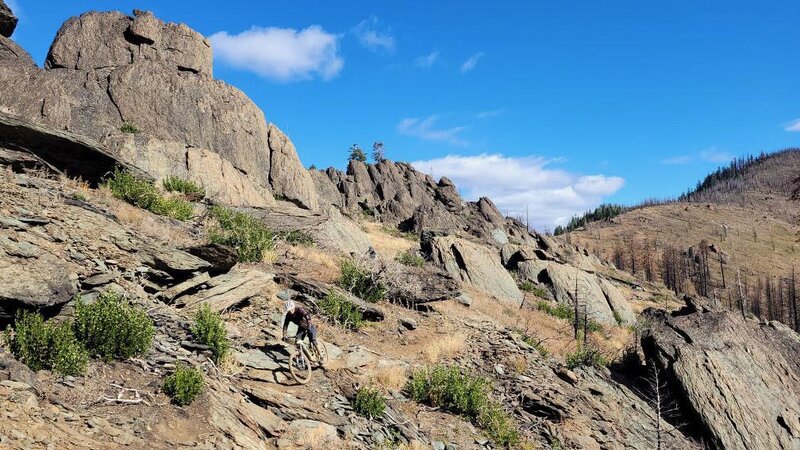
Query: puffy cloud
point(427, 130)
point(471, 62)
point(371, 37)
point(792, 126)
point(428, 60)
point(282, 54)
point(552, 196)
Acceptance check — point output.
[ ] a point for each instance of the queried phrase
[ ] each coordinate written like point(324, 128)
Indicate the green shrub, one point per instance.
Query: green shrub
point(585, 356)
point(565, 311)
point(452, 390)
point(128, 127)
point(538, 345)
point(408, 258)
point(176, 184)
point(528, 286)
point(144, 194)
point(341, 311)
point(617, 317)
point(209, 329)
point(369, 402)
point(297, 237)
point(184, 385)
point(112, 328)
point(409, 235)
point(46, 345)
point(251, 238)
point(361, 282)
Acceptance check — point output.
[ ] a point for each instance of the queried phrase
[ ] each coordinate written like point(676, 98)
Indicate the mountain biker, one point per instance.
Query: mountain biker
point(302, 318)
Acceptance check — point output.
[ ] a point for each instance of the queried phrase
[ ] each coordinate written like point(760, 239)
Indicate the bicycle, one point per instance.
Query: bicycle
point(301, 360)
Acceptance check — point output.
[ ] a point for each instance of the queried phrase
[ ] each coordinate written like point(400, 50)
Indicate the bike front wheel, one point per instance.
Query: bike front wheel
point(300, 367)
point(322, 354)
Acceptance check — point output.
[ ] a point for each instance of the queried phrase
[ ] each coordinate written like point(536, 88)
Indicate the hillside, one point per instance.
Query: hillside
point(746, 217)
point(153, 224)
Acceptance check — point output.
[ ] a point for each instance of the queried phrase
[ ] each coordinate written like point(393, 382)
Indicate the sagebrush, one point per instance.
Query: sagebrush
point(41, 344)
point(209, 329)
point(369, 402)
point(249, 236)
point(184, 385)
point(110, 327)
point(586, 356)
point(144, 194)
point(361, 282)
point(187, 187)
point(451, 389)
point(409, 258)
point(341, 312)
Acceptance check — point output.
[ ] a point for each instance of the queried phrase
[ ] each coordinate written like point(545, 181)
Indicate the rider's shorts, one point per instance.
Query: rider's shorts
point(311, 332)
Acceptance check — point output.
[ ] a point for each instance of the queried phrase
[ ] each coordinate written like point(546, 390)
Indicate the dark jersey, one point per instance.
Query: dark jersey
point(299, 317)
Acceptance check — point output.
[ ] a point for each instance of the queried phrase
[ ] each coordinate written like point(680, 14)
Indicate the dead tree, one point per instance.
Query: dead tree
point(742, 297)
point(659, 396)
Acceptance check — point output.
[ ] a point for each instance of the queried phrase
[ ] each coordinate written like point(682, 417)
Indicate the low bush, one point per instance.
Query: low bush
point(341, 312)
point(585, 356)
point(112, 328)
point(369, 402)
point(144, 194)
point(408, 258)
point(452, 390)
point(361, 282)
point(528, 286)
point(297, 237)
point(187, 187)
point(128, 127)
point(392, 231)
point(41, 344)
point(565, 311)
point(184, 385)
point(251, 238)
point(536, 344)
point(209, 329)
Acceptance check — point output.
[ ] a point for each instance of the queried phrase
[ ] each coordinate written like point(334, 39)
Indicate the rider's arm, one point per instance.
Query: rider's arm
point(285, 324)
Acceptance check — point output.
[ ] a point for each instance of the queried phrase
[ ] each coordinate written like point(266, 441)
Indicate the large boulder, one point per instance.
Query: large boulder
point(738, 377)
point(108, 69)
point(473, 264)
point(8, 21)
point(564, 280)
point(13, 53)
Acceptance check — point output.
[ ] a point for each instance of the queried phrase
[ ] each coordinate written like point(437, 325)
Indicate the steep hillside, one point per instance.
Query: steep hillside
point(152, 225)
point(746, 221)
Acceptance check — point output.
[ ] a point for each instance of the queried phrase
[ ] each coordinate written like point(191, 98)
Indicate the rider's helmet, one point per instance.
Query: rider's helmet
point(289, 306)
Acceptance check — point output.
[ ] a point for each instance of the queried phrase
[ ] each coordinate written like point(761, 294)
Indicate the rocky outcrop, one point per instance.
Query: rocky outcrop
point(104, 70)
point(736, 377)
point(472, 264)
point(397, 194)
point(8, 21)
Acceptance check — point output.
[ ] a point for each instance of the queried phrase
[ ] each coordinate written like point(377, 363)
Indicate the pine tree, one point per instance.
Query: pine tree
point(356, 154)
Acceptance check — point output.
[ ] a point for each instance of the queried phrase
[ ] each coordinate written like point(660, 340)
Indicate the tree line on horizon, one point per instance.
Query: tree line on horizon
point(712, 188)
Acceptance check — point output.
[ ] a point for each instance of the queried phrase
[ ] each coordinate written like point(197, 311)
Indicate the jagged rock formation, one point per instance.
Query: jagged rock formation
point(737, 376)
point(8, 21)
point(109, 69)
point(472, 264)
point(397, 194)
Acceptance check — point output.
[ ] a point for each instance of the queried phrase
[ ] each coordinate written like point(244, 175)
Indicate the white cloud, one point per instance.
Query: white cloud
point(426, 129)
point(471, 62)
point(371, 37)
point(792, 126)
point(552, 196)
point(282, 54)
point(428, 60)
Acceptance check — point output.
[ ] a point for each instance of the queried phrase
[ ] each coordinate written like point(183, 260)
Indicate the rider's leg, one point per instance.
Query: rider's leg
point(312, 335)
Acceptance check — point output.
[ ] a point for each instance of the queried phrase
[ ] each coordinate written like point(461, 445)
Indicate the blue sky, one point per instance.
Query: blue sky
point(552, 105)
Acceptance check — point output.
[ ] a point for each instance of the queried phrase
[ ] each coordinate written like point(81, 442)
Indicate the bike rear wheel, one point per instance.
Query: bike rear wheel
point(300, 367)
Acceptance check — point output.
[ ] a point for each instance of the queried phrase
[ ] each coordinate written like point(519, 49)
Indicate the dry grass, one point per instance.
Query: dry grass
point(442, 347)
point(392, 378)
point(311, 260)
point(313, 439)
point(385, 244)
point(415, 445)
